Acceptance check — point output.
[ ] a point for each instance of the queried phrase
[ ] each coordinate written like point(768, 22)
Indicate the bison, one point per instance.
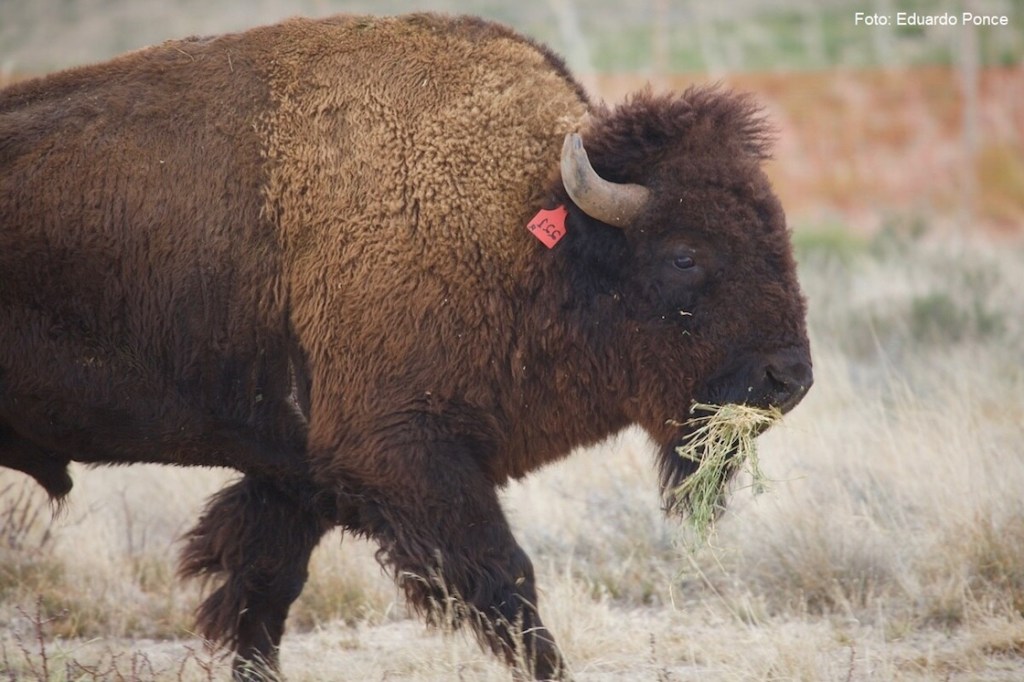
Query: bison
point(379, 266)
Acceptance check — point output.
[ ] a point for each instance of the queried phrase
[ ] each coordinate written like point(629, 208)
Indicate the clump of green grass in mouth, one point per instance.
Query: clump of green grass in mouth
point(722, 441)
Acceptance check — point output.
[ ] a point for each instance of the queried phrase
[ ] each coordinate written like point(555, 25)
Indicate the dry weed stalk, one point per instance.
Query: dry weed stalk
point(22, 523)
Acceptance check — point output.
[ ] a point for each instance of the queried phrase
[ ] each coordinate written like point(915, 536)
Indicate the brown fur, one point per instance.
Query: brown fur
point(300, 252)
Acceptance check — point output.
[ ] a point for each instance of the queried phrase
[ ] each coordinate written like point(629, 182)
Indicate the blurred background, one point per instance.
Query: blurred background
point(881, 127)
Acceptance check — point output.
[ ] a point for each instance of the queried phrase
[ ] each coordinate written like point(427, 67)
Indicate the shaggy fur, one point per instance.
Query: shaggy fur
point(300, 252)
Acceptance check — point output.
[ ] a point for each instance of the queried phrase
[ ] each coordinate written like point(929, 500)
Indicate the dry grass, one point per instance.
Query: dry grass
point(889, 546)
point(722, 441)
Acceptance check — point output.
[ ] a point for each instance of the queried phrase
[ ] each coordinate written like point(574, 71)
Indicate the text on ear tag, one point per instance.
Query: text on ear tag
point(549, 225)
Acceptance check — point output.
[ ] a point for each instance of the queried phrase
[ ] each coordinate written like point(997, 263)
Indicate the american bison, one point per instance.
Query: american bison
point(379, 266)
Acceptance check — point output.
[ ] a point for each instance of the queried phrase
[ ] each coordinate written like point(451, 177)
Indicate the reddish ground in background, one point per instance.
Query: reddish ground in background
point(870, 148)
point(867, 148)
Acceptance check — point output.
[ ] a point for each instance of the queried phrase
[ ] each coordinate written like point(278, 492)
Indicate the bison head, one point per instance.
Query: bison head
point(687, 246)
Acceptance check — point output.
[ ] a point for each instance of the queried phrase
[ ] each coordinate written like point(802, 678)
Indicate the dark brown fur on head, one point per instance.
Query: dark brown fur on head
point(702, 336)
point(709, 122)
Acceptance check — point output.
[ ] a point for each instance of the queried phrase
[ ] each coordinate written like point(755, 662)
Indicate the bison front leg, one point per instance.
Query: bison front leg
point(442, 530)
point(259, 537)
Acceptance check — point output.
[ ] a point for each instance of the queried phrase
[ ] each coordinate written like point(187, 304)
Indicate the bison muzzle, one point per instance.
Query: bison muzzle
point(302, 252)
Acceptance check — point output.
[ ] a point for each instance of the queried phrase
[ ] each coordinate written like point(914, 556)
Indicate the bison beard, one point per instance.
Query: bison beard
point(674, 469)
point(299, 252)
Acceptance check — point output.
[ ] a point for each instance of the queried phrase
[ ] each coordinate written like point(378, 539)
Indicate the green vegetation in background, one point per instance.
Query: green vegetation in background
point(806, 38)
point(940, 300)
point(747, 35)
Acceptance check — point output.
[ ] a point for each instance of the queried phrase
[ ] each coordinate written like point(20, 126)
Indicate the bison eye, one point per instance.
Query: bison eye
point(684, 262)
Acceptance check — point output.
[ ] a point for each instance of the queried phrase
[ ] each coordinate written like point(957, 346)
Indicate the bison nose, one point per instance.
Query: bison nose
point(788, 377)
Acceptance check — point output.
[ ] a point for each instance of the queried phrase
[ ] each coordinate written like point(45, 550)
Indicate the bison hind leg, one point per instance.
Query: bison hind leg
point(258, 538)
point(49, 469)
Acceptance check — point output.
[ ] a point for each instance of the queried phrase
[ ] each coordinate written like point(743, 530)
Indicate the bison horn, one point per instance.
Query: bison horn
point(614, 203)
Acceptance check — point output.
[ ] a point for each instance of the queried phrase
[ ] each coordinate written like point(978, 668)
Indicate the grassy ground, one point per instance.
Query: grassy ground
point(891, 545)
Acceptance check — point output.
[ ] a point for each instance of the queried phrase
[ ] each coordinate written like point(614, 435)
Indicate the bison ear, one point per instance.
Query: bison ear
point(613, 203)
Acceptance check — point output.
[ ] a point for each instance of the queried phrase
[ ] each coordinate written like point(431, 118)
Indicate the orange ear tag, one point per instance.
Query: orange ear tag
point(549, 225)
